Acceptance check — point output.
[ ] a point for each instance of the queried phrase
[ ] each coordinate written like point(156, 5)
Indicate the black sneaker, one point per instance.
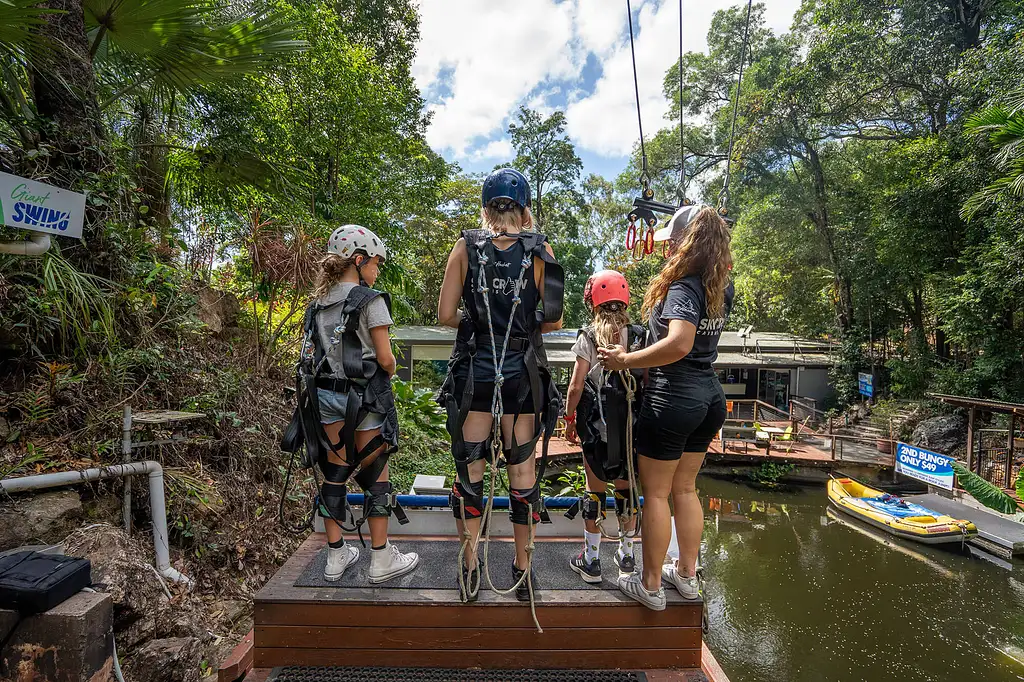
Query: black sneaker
point(591, 573)
point(523, 591)
point(626, 562)
point(469, 586)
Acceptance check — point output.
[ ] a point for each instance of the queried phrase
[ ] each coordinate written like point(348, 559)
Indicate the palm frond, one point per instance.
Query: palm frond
point(182, 45)
point(983, 491)
point(19, 20)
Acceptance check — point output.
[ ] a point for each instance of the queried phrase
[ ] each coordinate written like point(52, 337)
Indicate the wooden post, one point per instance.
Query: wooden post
point(970, 442)
point(1009, 451)
point(831, 440)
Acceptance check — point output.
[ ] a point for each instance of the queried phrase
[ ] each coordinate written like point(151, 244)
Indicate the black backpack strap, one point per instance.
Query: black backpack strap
point(351, 346)
point(554, 276)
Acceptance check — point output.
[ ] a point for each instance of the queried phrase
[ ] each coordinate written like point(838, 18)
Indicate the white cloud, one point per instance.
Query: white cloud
point(478, 60)
point(494, 150)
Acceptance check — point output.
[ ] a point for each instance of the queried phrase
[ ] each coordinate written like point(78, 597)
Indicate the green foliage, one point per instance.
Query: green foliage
point(770, 474)
point(573, 482)
point(989, 495)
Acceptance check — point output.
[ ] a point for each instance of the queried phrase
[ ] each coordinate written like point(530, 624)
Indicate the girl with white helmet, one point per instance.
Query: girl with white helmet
point(349, 350)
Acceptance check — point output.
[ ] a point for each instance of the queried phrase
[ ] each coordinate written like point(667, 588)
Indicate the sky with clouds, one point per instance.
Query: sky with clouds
point(478, 60)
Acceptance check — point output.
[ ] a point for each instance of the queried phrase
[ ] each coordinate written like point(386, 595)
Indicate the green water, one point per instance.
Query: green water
point(796, 596)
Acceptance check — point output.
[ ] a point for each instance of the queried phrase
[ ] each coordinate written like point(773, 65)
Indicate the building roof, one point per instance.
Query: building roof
point(758, 350)
point(980, 403)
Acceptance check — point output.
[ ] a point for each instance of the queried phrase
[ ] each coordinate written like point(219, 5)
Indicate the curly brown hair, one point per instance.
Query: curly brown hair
point(703, 250)
point(332, 269)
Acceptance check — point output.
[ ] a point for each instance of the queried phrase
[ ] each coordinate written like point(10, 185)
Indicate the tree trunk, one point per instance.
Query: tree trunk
point(64, 90)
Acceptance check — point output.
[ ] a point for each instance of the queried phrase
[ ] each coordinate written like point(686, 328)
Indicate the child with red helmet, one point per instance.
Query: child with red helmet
point(597, 411)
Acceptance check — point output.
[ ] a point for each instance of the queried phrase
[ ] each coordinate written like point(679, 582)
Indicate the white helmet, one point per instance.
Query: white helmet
point(348, 240)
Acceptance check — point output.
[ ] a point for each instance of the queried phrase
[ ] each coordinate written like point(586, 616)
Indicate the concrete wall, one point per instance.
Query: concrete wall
point(812, 382)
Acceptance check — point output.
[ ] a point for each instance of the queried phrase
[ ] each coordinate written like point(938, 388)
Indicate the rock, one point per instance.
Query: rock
point(46, 517)
point(217, 309)
point(121, 567)
point(945, 434)
point(167, 660)
point(233, 611)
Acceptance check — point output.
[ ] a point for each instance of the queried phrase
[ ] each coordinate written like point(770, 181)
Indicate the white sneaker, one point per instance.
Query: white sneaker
point(338, 560)
point(632, 586)
point(689, 587)
point(389, 563)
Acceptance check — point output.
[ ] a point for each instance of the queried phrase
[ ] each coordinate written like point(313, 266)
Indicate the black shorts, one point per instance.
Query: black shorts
point(680, 413)
point(483, 395)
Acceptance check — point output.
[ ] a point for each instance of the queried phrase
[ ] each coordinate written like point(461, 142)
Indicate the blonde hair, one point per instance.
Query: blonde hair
point(332, 269)
point(499, 222)
point(703, 250)
point(608, 324)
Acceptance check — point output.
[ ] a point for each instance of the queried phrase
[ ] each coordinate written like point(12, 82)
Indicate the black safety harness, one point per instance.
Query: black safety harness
point(475, 328)
point(368, 388)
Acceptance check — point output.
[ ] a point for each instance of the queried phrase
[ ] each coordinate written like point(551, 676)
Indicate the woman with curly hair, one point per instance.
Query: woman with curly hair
point(686, 304)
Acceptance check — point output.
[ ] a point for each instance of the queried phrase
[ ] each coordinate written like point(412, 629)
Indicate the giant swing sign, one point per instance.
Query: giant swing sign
point(37, 206)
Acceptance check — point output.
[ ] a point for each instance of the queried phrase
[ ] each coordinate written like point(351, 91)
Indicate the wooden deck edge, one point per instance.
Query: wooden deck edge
point(653, 675)
point(710, 666)
point(239, 663)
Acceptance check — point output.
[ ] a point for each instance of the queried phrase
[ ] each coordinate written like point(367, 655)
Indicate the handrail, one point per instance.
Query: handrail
point(157, 506)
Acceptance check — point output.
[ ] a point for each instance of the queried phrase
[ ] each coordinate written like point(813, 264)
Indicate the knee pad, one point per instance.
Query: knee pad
point(378, 500)
point(622, 503)
point(594, 505)
point(524, 504)
point(467, 500)
point(333, 503)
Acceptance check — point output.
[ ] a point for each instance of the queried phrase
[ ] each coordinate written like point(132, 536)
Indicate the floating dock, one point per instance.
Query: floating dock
point(997, 534)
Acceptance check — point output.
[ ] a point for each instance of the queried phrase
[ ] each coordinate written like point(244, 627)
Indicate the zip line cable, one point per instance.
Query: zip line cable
point(682, 149)
point(723, 196)
point(645, 178)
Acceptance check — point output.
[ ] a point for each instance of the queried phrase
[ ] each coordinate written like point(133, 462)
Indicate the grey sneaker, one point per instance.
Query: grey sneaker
point(632, 586)
point(689, 587)
point(626, 562)
point(339, 559)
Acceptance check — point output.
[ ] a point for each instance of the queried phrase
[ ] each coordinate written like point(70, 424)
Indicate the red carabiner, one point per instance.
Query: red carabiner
point(649, 242)
point(664, 249)
point(631, 236)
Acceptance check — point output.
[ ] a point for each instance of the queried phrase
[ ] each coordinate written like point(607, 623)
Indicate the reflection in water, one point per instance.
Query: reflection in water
point(799, 594)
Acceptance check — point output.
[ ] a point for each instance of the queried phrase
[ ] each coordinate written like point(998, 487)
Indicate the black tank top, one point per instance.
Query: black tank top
point(507, 269)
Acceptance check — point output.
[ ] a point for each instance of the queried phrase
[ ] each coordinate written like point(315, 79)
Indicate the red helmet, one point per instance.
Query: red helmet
point(606, 286)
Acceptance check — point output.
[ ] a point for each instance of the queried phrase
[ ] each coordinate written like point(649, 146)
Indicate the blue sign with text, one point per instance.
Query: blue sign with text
point(866, 384)
point(925, 465)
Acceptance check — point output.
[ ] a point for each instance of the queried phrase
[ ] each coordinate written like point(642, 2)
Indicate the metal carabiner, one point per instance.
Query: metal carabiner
point(631, 236)
point(649, 242)
point(638, 250)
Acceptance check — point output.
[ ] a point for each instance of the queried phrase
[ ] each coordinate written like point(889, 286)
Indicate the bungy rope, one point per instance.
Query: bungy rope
point(633, 503)
point(497, 412)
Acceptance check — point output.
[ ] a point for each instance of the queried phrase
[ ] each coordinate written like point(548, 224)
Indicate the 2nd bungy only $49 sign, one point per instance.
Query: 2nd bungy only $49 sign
point(37, 206)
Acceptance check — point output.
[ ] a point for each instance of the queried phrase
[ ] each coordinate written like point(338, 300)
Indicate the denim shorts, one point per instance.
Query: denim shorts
point(334, 405)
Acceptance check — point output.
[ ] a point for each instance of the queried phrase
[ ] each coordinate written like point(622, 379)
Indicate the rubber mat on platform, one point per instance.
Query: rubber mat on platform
point(438, 559)
point(302, 674)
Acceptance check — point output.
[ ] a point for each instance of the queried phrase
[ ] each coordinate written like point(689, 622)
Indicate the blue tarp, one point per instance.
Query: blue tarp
point(897, 506)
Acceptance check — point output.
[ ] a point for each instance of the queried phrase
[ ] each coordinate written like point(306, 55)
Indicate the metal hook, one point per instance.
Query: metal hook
point(631, 235)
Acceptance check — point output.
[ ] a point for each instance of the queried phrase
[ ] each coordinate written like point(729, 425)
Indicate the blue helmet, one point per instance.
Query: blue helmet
point(506, 183)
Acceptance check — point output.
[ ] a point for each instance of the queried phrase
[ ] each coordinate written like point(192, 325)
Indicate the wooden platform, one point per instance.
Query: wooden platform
point(378, 626)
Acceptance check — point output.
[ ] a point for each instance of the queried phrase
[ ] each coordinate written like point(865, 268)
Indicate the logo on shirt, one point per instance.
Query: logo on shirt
point(505, 286)
point(711, 327)
point(685, 308)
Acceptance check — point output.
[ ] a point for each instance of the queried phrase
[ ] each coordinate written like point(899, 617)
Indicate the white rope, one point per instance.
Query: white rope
point(633, 503)
point(497, 412)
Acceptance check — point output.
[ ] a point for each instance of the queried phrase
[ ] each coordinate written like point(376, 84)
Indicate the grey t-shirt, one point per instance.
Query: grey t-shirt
point(585, 348)
point(375, 314)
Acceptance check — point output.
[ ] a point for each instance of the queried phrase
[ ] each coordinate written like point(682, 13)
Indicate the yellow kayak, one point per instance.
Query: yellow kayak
point(894, 514)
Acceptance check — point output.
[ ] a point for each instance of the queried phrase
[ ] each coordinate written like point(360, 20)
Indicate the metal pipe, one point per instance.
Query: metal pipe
point(36, 245)
point(157, 506)
point(499, 502)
